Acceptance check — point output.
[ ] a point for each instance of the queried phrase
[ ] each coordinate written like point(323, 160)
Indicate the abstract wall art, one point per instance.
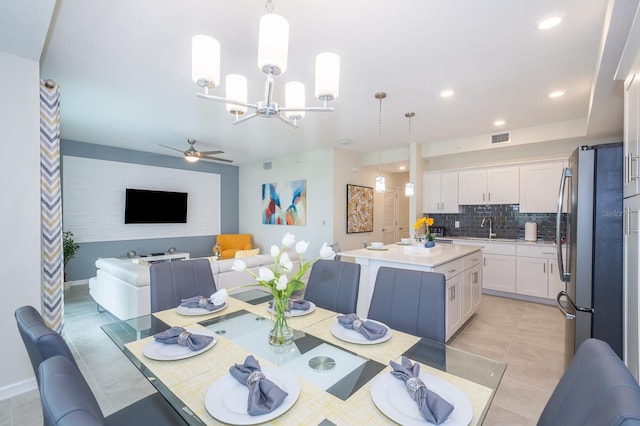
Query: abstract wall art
point(284, 203)
point(359, 209)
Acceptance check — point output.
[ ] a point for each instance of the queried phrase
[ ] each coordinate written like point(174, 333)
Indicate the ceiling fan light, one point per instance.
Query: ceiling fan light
point(294, 98)
point(273, 44)
point(205, 61)
point(327, 76)
point(236, 90)
point(191, 158)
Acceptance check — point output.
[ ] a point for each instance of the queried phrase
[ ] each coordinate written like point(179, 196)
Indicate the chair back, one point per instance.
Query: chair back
point(596, 389)
point(40, 341)
point(170, 282)
point(334, 285)
point(65, 395)
point(410, 301)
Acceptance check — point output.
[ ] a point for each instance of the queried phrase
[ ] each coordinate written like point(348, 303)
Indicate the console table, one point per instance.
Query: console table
point(162, 257)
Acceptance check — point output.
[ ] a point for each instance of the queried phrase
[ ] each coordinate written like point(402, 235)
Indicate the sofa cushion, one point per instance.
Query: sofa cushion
point(132, 273)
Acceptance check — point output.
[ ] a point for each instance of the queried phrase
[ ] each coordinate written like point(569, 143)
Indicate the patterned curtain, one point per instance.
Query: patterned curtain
point(51, 206)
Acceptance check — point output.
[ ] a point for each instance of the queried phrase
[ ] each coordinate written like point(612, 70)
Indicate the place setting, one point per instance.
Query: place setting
point(350, 328)
point(295, 308)
point(200, 305)
point(411, 398)
point(251, 394)
point(179, 343)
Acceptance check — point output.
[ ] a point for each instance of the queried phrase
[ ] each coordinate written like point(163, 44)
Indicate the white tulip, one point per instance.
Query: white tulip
point(239, 265)
point(219, 297)
point(327, 252)
point(288, 240)
point(285, 262)
point(301, 247)
point(265, 274)
point(282, 283)
point(275, 250)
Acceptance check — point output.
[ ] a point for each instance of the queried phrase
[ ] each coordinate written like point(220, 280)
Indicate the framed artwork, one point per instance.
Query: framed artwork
point(359, 209)
point(284, 203)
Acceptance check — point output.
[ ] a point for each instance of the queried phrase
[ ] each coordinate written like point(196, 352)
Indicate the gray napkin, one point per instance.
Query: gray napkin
point(180, 336)
point(433, 408)
point(368, 329)
point(298, 305)
point(264, 395)
point(199, 302)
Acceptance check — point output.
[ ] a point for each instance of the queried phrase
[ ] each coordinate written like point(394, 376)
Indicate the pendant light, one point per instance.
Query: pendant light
point(380, 180)
point(409, 188)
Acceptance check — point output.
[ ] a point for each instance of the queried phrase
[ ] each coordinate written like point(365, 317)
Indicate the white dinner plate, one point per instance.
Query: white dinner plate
point(164, 352)
point(400, 243)
point(297, 312)
point(391, 397)
point(226, 399)
point(182, 310)
point(352, 336)
point(377, 249)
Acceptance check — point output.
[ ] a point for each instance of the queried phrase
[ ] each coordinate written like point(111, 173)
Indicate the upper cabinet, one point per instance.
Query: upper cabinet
point(495, 185)
point(440, 192)
point(631, 132)
point(539, 185)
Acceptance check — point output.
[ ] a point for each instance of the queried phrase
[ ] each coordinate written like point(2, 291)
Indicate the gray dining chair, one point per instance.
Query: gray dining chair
point(40, 341)
point(410, 301)
point(596, 389)
point(334, 285)
point(170, 282)
point(67, 400)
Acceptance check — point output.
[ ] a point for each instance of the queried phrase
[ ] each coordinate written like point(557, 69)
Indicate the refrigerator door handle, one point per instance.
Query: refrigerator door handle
point(564, 276)
point(566, 314)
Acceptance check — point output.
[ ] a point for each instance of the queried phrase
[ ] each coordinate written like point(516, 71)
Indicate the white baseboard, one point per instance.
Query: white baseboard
point(18, 388)
point(76, 282)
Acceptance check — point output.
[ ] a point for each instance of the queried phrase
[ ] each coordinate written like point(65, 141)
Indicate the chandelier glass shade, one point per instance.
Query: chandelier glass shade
point(273, 47)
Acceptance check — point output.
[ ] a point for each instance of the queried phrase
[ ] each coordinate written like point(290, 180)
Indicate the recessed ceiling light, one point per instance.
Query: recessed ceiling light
point(447, 93)
point(402, 168)
point(549, 23)
point(556, 94)
point(499, 123)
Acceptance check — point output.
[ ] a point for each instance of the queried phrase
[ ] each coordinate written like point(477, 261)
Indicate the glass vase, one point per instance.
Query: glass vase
point(280, 334)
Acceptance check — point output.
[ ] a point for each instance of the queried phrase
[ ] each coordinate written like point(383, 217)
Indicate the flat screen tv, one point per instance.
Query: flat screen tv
point(145, 206)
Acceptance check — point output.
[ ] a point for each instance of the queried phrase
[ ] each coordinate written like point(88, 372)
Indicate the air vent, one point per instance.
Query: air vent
point(267, 165)
point(500, 137)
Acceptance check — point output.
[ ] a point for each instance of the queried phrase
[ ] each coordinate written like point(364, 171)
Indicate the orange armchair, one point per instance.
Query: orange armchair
point(228, 244)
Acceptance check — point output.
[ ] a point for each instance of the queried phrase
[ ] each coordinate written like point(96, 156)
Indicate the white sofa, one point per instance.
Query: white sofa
point(122, 287)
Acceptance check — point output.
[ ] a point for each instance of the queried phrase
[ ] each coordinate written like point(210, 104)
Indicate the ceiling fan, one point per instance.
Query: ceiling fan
point(192, 155)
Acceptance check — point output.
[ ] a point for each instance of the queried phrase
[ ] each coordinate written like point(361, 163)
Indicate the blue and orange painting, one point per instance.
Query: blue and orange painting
point(284, 203)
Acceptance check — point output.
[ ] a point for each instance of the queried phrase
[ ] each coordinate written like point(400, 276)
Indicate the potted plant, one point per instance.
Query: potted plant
point(69, 248)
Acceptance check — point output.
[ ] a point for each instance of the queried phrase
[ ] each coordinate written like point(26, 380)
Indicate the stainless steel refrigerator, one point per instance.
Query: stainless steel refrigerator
point(592, 302)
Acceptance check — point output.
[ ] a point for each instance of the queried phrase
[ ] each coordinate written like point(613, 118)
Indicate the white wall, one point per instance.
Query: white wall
point(20, 225)
point(317, 168)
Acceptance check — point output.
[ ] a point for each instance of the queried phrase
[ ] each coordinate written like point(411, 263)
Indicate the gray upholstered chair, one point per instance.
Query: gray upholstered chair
point(67, 400)
point(410, 301)
point(172, 281)
point(40, 341)
point(334, 285)
point(596, 389)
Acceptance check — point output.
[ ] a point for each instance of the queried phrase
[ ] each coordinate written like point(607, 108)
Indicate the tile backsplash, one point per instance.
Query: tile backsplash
point(508, 222)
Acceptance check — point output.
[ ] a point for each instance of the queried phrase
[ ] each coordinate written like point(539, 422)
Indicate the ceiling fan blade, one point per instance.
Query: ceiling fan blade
point(210, 152)
point(245, 118)
point(175, 149)
point(216, 159)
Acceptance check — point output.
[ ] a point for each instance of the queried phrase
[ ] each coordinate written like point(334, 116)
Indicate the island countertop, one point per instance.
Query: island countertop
point(414, 254)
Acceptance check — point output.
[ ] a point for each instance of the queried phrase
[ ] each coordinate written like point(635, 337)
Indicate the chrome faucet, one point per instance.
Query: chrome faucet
point(491, 234)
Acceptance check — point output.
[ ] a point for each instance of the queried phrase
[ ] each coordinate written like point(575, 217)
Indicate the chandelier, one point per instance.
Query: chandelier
point(273, 46)
point(409, 188)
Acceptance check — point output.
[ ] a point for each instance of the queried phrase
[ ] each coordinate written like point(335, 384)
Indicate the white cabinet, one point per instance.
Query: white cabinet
point(495, 185)
point(537, 271)
point(631, 132)
point(440, 192)
point(499, 272)
point(632, 284)
point(539, 185)
point(472, 288)
point(454, 304)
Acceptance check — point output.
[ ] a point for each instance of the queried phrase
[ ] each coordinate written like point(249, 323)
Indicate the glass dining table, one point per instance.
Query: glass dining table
point(341, 381)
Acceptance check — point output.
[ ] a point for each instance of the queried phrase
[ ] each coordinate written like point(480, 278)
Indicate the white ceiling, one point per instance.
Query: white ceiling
point(124, 68)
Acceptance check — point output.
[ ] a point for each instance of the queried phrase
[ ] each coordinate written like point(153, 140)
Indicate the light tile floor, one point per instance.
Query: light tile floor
point(528, 336)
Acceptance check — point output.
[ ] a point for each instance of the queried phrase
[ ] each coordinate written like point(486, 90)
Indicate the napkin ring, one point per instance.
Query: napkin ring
point(255, 377)
point(183, 337)
point(357, 324)
point(202, 302)
point(413, 384)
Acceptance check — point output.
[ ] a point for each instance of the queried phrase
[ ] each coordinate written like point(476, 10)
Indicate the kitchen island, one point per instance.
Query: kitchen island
point(461, 265)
